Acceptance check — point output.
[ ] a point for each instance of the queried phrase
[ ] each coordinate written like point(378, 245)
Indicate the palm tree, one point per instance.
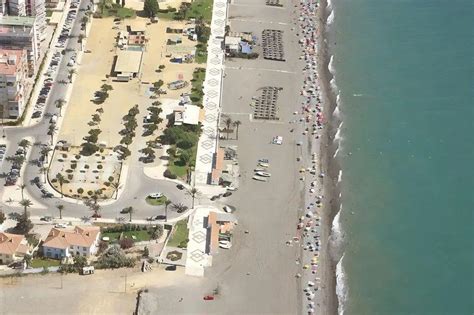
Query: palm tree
point(45, 151)
point(193, 192)
point(24, 143)
point(60, 208)
point(51, 131)
point(26, 203)
point(116, 187)
point(179, 207)
point(236, 124)
point(85, 19)
point(167, 203)
point(71, 72)
point(61, 180)
point(228, 123)
point(80, 39)
point(59, 105)
point(22, 187)
point(130, 213)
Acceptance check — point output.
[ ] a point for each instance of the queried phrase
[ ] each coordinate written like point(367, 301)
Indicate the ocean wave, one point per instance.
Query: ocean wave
point(331, 65)
point(336, 111)
point(336, 152)
point(329, 4)
point(330, 19)
point(337, 136)
point(341, 289)
point(339, 178)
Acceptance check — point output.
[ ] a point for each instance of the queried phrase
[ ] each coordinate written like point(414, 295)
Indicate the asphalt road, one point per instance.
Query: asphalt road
point(137, 185)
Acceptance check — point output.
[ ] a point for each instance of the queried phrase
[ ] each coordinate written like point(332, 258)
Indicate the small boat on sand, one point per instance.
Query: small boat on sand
point(263, 174)
point(259, 178)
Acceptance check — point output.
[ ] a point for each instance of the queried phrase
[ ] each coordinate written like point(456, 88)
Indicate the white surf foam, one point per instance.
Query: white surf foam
point(341, 289)
point(339, 176)
point(329, 4)
point(337, 136)
point(331, 65)
point(330, 19)
point(335, 153)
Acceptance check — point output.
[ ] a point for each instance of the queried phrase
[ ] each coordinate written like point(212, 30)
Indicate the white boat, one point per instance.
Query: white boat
point(263, 174)
point(259, 178)
point(261, 164)
point(260, 169)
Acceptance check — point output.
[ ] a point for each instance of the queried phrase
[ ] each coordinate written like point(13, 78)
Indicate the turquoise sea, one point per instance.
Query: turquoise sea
point(405, 71)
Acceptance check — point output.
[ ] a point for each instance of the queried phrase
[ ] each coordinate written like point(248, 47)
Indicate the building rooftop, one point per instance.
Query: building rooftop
point(83, 236)
point(128, 61)
point(12, 243)
point(190, 115)
point(10, 60)
point(17, 20)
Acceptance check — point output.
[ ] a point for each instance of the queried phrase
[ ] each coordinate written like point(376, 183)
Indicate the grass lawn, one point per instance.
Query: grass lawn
point(140, 235)
point(44, 262)
point(123, 13)
point(201, 8)
point(156, 202)
point(180, 234)
point(198, 8)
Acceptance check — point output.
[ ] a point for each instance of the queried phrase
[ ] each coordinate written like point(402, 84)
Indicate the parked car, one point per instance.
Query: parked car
point(229, 209)
point(225, 244)
point(227, 194)
point(171, 268)
point(180, 186)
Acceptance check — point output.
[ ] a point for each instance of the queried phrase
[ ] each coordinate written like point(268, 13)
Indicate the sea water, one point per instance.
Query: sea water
point(404, 71)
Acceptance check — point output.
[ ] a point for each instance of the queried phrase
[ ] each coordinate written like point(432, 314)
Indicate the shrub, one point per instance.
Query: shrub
point(2, 217)
point(157, 232)
point(90, 192)
point(70, 176)
point(169, 174)
point(80, 191)
point(102, 247)
point(114, 258)
point(111, 178)
point(126, 243)
point(100, 167)
point(86, 166)
point(69, 171)
point(146, 252)
point(78, 157)
point(73, 166)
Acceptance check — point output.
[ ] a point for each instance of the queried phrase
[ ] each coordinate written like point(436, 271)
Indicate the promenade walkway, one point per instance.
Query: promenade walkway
point(207, 146)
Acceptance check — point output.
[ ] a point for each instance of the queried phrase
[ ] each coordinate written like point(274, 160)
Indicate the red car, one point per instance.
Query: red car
point(208, 298)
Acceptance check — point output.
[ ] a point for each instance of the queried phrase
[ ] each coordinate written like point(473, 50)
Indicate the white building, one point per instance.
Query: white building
point(37, 9)
point(13, 82)
point(82, 241)
point(20, 32)
point(187, 114)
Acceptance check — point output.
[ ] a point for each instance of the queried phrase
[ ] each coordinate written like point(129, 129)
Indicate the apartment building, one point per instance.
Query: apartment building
point(20, 32)
point(13, 82)
point(37, 8)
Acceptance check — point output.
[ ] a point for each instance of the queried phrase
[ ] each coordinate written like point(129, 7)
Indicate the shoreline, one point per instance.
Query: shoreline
point(328, 163)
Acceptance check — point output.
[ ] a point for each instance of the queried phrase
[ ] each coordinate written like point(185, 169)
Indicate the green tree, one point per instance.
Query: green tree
point(23, 225)
point(80, 262)
point(151, 8)
point(27, 260)
point(51, 131)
